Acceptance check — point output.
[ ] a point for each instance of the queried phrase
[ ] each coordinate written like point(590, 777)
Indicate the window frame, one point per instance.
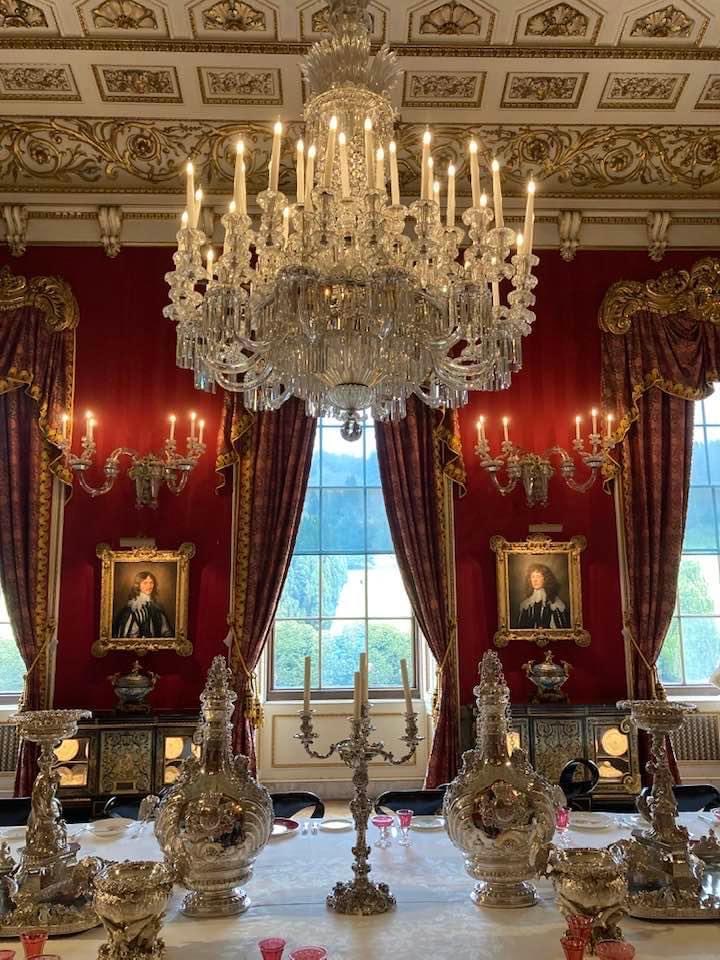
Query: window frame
point(11, 698)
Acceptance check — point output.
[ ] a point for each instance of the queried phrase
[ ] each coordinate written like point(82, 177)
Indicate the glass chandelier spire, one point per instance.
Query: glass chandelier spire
point(343, 296)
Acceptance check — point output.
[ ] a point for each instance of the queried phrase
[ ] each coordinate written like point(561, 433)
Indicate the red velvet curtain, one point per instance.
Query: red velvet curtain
point(415, 455)
point(271, 453)
point(37, 347)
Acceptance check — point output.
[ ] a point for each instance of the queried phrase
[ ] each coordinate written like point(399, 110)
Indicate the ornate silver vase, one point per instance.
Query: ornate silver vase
point(131, 899)
point(548, 677)
point(590, 882)
point(132, 687)
point(216, 819)
point(498, 806)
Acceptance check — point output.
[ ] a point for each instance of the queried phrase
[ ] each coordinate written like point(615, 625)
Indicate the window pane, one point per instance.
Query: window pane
point(342, 643)
point(713, 450)
point(372, 470)
point(378, 531)
point(700, 524)
point(711, 408)
point(12, 668)
point(670, 659)
point(301, 593)
point(698, 585)
point(314, 479)
point(386, 591)
point(343, 521)
point(701, 647)
point(343, 586)
point(699, 472)
point(308, 539)
point(342, 461)
point(295, 640)
point(389, 641)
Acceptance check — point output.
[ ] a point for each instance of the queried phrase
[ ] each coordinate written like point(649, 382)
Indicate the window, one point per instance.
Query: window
point(344, 593)
point(691, 650)
point(12, 667)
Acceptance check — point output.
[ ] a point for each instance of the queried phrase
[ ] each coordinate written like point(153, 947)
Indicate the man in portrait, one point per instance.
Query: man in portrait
point(541, 606)
point(143, 614)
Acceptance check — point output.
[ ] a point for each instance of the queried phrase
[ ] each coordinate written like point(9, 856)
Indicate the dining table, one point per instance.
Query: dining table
point(434, 919)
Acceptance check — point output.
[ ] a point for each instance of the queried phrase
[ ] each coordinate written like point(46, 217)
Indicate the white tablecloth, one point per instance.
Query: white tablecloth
point(434, 919)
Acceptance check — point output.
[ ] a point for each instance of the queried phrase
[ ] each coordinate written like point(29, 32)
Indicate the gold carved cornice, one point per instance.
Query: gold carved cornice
point(696, 291)
point(51, 295)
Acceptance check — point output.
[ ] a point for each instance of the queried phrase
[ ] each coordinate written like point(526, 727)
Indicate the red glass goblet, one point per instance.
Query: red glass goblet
point(573, 948)
point(562, 818)
point(33, 942)
point(309, 953)
point(272, 948)
point(7, 954)
point(383, 823)
point(580, 927)
point(614, 950)
point(405, 819)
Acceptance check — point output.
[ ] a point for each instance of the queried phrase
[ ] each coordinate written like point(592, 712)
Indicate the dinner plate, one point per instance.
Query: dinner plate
point(12, 833)
point(588, 821)
point(336, 824)
point(427, 823)
point(111, 827)
point(283, 827)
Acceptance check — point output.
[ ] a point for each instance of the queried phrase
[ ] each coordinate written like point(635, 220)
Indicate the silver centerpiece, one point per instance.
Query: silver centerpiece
point(215, 819)
point(131, 899)
point(548, 676)
point(48, 888)
point(665, 872)
point(498, 805)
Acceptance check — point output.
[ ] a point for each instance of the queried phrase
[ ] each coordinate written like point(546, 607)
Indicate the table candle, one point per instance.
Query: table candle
point(506, 431)
point(609, 425)
point(171, 434)
point(406, 686)
point(380, 169)
point(363, 678)
point(190, 187)
point(369, 153)
point(577, 428)
point(474, 173)
point(239, 179)
point(497, 194)
point(356, 696)
point(193, 417)
point(530, 217)
point(300, 171)
point(306, 686)
point(451, 197)
point(481, 429)
point(330, 153)
point(425, 173)
point(593, 414)
point(394, 178)
point(344, 167)
point(310, 176)
point(275, 157)
point(201, 424)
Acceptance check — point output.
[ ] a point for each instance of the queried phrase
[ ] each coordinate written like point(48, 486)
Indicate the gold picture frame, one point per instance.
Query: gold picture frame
point(539, 591)
point(144, 600)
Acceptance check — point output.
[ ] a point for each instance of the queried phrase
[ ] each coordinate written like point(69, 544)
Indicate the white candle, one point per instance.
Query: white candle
point(210, 261)
point(286, 223)
point(184, 220)
point(356, 697)
point(474, 173)
point(429, 181)
point(394, 178)
point(310, 176)
point(92, 423)
point(344, 167)
point(497, 194)
point(593, 414)
point(330, 153)
point(363, 678)
point(609, 425)
point(369, 153)
point(406, 686)
point(232, 207)
point(506, 431)
point(300, 171)
point(530, 217)
point(380, 169)
point(451, 197)
point(577, 428)
point(275, 157)
point(193, 418)
point(425, 174)
point(483, 201)
point(190, 187)
point(64, 426)
point(519, 242)
point(306, 686)
point(88, 425)
point(481, 429)
point(239, 180)
point(495, 293)
point(436, 192)
point(171, 434)
point(201, 424)
point(197, 206)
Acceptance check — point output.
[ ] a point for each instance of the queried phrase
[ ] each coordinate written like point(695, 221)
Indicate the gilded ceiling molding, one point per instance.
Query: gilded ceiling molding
point(697, 291)
point(21, 15)
point(123, 15)
point(51, 295)
point(666, 22)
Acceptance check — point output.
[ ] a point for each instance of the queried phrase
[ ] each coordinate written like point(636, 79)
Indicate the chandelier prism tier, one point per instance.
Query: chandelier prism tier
point(341, 295)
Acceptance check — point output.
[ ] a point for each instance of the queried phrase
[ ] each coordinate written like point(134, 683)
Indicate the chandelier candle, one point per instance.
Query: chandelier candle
point(353, 301)
point(497, 194)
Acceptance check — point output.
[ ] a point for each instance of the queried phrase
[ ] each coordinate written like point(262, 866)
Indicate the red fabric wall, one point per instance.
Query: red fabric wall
point(560, 378)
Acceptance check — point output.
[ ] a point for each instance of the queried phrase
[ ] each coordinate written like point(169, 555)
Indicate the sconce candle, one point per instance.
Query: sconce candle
point(506, 431)
point(171, 434)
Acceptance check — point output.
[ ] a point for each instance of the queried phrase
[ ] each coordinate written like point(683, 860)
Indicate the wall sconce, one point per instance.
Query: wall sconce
point(149, 471)
point(534, 470)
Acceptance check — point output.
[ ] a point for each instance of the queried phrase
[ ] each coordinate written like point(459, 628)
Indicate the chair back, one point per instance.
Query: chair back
point(288, 804)
point(578, 778)
point(423, 803)
point(692, 797)
point(14, 811)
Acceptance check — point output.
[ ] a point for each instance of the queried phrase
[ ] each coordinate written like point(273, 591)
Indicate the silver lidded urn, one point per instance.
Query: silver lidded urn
point(132, 687)
point(548, 677)
point(131, 899)
point(216, 819)
point(498, 806)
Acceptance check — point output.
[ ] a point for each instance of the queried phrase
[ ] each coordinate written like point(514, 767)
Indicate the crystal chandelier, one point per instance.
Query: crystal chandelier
point(347, 298)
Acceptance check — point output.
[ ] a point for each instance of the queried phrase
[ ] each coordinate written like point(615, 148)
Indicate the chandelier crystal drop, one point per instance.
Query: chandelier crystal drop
point(342, 296)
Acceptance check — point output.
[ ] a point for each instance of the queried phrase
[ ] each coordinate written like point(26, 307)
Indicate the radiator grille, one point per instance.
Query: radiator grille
point(8, 747)
point(699, 738)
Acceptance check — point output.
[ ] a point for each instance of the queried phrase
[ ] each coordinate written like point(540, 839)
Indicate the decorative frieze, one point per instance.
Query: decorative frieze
point(251, 85)
point(448, 89)
point(709, 98)
point(138, 84)
point(37, 81)
point(451, 22)
point(643, 91)
point(543, 90)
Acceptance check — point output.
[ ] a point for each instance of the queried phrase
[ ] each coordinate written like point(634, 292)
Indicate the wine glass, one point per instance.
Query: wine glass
point(383, 822)
point(272, 948)
point(405, 819)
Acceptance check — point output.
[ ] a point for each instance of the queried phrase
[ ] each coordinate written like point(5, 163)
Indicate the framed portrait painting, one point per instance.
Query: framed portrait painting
point(539, 591)
point(144, 600)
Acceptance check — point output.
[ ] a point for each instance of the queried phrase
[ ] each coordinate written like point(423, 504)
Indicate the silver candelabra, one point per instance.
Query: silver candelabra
point(360, 896)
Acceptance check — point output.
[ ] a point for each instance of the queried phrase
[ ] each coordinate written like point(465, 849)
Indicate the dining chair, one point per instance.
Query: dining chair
point(288, 804)
point(14, 811)
point(423, 803)
point(693, 797)
point(578, 778)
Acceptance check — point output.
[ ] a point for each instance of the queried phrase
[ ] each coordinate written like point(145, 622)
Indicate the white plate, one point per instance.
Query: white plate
point(588, 821)
point(427, 823)
point(110, 827)
point(336, 824)
point(12, 833)
point(279, 830)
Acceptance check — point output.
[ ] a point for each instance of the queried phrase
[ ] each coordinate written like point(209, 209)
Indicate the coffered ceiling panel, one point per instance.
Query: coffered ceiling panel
point(569, 24)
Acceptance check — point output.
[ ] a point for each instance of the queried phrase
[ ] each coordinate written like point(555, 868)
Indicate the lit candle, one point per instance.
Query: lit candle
point(64, 426)
point(530, 217)
point(369, 153)
point(197, 206)
point(201, 424)
point(451, 197)
point(519, 242)
point(481, 429)
point(300, 171)
point(239, 180)
point(310, 176)
point(275, 157)
point(88, 425)
point(232, 207)
point(171, 434)
point(497, 194)
point(363, 678)
point(92, 423)
point(436, 192)
point(429, 181)
point(593, 414)
point(425, 169)
point(286, 223)
point(609, 425)
point(577, 427)
point(506, 431)
point(356, 697)
point(210, 261)
point(344, 167)
point(184, 220)
point(380, 169)
point(406, 686)
point(193, 417)
point(330, 153)
point(190, 187)
point(483, 201)
point(306, 686)
point(474, 173)
point(394, 178)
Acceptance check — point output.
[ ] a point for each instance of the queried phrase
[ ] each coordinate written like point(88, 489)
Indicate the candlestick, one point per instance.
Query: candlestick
point(197, 206)
point(344, 167)
point(497, 194)
point(593, 414)
point(474, 173)
point(394, 178)
point(286, 223)
point(380, 169)
point(171, 433)
point(356, 696)
point(577, 428)
point(451, 197)
point(190, 187)
point(530, 217)
point(193, 417)
point(406, 686)
point(275, 157)
point(364, 677)
point(424, 169)
point(369, 153)
point(239, 178)
point(300, 171)
point(310, 177)
point(481, 429)
point(330, 153)
point(506, 431)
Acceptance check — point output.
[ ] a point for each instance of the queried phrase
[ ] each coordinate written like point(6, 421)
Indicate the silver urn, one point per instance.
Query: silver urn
point(216, 819)
point(497, 808)
point(548, 677)
point(131, 688)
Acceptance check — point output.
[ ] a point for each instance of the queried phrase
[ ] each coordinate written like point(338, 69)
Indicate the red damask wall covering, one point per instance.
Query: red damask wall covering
point(126, 374)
